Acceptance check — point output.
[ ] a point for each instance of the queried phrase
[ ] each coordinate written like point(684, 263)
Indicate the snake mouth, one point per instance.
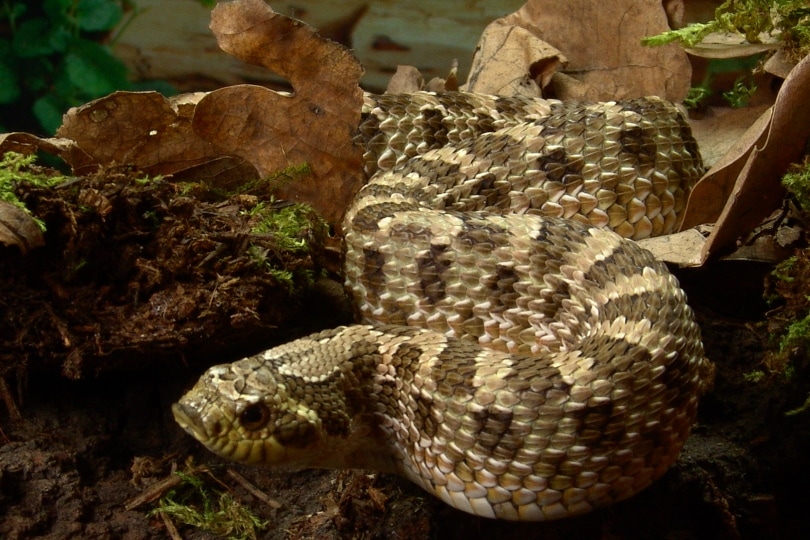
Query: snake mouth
point(189, 419)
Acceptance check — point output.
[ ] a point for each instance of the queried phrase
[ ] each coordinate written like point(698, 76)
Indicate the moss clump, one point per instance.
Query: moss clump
point(294, 228)
point(16, 169)
point(788, 288)
point(797, 181)
point(219, 189)
point(789, 20)
point(195, 503)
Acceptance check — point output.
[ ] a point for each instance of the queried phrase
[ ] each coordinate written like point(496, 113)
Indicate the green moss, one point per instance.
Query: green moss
point(196, 504)
point(293, 228)
point(754, 376)
point(796, 336)
point(740, 94)
point(688, 36)
point(784, 270)
point(16, 169)
point(797, 181)
point(697, 96)
point(805, 406)
point(262, 187)
point(288, 175)
point(786, 19)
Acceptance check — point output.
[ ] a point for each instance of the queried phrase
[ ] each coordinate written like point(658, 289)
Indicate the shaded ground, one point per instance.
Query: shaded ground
point(66, 472)
point(66, 469)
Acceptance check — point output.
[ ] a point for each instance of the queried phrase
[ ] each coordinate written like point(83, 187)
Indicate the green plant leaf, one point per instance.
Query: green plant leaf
point(30, 39)
point(13, 12)
point(36, 74)
point(93, 69)
point(59, 38)
point(96, 15)
point(9, 86)
point(49, 109)
point(57, 11)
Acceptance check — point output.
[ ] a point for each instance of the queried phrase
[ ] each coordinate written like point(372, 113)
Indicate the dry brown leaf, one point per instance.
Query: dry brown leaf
point(756, 166)
point(226, 174)
point(512, 61)
point(19, 229)
point(721, 132)
point(758, 189)
point(682, 248)
point(779, 64)
point(406, 79)
point(26, 143)
point(274, 131)
point(602, 42)
point(143, 129)
point(709, 196)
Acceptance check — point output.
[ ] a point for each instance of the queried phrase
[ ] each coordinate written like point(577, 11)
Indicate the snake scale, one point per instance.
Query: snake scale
point(516, 359)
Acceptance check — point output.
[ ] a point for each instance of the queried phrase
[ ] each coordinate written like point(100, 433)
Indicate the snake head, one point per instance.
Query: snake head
point(242, 412)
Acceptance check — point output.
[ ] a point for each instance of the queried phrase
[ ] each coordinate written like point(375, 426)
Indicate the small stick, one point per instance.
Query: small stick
point(256, 492)
point(153, 492)
point(170, 528)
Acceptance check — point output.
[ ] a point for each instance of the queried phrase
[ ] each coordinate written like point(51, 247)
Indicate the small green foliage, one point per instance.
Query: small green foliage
point(55, 54)
point(805, 406)
point(196, 504)
point(290, 225)
point(295, 229)
point(262, 187)
point(696, 96)
point(754, 376)
point(290, 174)
point(688, 36)
point(740, 94)
point(796, 336)
point(789, 20)
point(16, 169)
point(50, 59)
point(784, 270)
point(146, 180)
point(797, 181)
point(789, 321)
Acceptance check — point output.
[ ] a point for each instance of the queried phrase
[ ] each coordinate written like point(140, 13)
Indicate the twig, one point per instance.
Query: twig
point(256, 492)
point(170, 528)
point(8, 399)
point(154, 492)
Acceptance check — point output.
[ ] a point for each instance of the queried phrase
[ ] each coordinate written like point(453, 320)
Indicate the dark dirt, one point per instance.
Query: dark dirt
point(66, 468)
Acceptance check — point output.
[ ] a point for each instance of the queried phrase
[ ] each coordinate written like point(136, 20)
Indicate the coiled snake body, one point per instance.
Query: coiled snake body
point(515, 364)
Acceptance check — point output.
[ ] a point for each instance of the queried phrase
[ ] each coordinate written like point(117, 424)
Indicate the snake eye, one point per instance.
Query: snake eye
point(255, 416)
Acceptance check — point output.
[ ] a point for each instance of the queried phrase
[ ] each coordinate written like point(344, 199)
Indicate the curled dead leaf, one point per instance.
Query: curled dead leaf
point(405, 79)
point(68, 150)
point(734, 126)
point(745, 185)
point(144, 129)
point(511, 60)
point(604, 51)
point(19, 229)
point(274, 131)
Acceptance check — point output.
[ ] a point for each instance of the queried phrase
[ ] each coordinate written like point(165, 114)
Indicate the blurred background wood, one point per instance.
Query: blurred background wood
point(170, 38)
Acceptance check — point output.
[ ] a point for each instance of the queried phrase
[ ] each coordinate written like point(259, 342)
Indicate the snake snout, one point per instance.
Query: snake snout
point(190, 420)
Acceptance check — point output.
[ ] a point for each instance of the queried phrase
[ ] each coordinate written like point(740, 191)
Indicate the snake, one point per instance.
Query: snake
point(516, 353)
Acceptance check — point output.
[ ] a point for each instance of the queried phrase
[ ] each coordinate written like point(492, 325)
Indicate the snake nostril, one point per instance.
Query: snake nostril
point(255, 416)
